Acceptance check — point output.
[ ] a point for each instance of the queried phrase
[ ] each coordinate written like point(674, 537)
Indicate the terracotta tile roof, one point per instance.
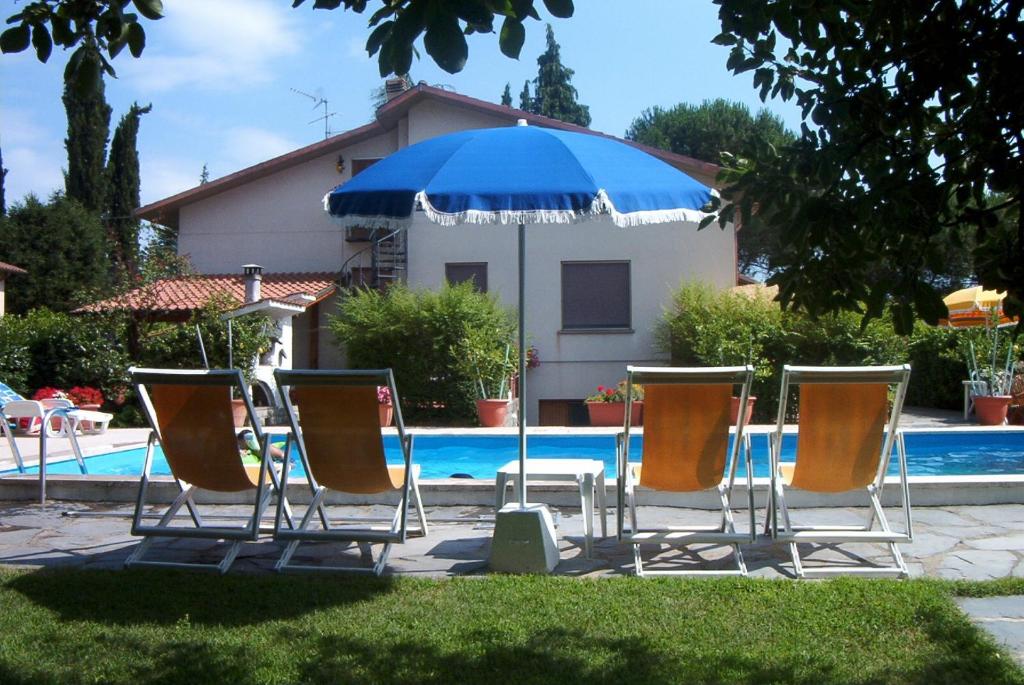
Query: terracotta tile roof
point(166, 211)
point(6, 268)
point(186, 293)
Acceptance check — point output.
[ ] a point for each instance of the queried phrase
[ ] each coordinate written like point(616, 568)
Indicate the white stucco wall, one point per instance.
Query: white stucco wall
point(430, 119)
point(574, 363)
point(277, 221)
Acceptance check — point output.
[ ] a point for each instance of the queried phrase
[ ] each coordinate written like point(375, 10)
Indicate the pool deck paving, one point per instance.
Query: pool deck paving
point(955, 542)
point(1002, 617)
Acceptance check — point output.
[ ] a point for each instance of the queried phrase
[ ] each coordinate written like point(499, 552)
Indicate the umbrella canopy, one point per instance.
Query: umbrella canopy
point(974, 307)
point(519, 175)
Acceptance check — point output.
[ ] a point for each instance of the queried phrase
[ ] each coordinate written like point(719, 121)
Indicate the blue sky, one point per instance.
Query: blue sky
point(219, 75)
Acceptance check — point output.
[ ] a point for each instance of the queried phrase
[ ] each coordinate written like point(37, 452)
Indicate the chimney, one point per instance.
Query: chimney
point(393, 87)
point(253, 281)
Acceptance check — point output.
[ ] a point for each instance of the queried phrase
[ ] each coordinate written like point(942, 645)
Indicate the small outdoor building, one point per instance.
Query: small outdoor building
point(283, 297)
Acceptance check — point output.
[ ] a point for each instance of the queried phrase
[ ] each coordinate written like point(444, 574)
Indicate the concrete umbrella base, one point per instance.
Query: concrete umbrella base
point(524, 540)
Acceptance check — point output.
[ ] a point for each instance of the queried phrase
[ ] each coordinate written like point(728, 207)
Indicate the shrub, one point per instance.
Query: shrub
point(709, 328)
point(51, 349)
point(422, 336)
point(174, 345)
point(937, 358)
point(44, 349)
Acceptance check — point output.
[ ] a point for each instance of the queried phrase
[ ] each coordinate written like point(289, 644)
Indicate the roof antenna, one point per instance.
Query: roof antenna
point(318, 101)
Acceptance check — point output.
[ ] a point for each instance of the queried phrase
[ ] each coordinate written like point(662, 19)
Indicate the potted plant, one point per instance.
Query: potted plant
point(607, 406)
point(491, 363)
point(40, 395)
point(86, 398)
point(734, 409)
point(992, 406)
point(385, 405)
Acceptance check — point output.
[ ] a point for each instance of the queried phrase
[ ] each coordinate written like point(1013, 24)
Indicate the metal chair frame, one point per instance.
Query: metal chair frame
point(831, 534)
point(236, 535)
point(31, 409)
point(681, 536)
point(342, 530)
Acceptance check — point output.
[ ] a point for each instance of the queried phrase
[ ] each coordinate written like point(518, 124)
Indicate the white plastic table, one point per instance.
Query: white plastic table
point(588, 474)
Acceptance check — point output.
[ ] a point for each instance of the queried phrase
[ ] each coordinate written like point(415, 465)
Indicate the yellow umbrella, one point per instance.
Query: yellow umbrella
point(975, 306)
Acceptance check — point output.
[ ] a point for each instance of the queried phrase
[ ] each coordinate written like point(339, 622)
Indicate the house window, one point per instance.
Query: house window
point(595, 295)
point(460, 272)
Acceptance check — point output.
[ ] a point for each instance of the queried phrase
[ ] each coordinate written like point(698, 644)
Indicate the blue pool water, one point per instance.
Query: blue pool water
point(944, 453)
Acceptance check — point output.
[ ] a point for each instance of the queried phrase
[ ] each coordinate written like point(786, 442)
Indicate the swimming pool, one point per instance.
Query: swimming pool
point(938, 453)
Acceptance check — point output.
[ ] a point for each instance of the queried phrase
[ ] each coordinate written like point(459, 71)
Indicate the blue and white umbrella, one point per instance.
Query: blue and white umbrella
point(519, 175)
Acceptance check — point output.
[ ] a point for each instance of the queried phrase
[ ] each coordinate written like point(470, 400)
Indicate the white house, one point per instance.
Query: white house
point(595, 291)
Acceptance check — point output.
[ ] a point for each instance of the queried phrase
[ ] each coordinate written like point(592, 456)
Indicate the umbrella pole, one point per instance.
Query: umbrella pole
point(522, 366)
point(524, 535)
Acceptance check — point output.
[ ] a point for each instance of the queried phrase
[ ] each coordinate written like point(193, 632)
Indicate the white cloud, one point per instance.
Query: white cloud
point(241, 147)
point(227, 44)
point(21, 128)
point(162, 177)
point(248, 145)
point(33, 155)
point(35, 170)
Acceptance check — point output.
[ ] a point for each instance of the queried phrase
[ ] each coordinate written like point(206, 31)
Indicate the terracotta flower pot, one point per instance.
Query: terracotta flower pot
point(386, 412)
point(491, 413)
point(734, 410)
point(614, 413)
point(991, 409)
point(88, 425)
point(238, 412)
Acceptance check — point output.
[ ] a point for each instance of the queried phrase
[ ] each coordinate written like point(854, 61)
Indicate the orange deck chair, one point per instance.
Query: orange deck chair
point(686, 450)
point(847, 432)
point(190, 413)
point(335, 424)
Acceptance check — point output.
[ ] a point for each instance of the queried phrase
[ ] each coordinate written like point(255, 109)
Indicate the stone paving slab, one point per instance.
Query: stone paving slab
point(1002, 617)
point(97, 535)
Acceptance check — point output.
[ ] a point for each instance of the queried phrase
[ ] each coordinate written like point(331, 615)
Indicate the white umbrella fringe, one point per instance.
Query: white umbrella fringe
point(601, 205)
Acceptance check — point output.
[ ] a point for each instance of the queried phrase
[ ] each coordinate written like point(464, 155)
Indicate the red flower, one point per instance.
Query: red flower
point(48, 394)
point(85, 395)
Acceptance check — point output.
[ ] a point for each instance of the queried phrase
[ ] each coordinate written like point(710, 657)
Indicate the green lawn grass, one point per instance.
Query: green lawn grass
point(171, 627)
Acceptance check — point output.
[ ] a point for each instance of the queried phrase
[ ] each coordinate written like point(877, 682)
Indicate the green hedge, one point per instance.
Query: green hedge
point(53, 349)
point(426, 338)
point(45, 348)
point(707, 327)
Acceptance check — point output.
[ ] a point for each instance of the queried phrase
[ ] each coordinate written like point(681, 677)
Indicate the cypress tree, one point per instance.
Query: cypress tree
point(554, 95)
point(506, 96)
point(525, 101)
point(123, 198)
point(88, 129)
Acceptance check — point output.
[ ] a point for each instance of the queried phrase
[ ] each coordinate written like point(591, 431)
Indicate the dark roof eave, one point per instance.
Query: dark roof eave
point(10, 270)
